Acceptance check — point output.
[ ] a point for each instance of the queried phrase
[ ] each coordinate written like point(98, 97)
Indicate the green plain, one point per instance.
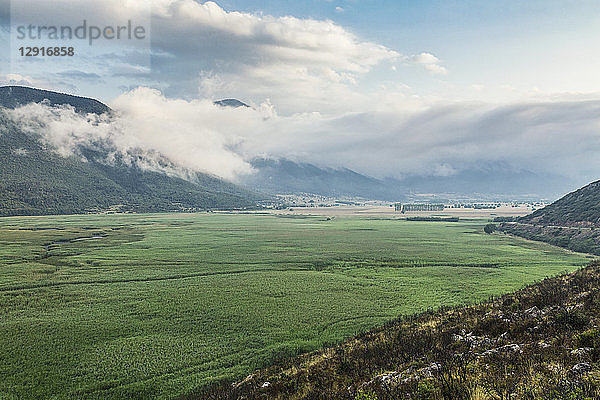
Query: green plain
point(156, 306)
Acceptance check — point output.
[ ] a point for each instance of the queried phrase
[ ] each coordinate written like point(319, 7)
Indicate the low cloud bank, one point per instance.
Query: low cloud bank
point(147, 128)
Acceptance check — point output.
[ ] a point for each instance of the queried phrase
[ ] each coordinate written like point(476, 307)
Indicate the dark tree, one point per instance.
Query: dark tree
point(489, 228)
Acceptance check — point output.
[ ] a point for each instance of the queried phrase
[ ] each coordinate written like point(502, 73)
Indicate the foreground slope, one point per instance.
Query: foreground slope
point(542, 342)
point(36, 180)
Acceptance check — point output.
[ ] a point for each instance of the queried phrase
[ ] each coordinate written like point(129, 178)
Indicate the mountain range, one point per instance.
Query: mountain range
point(282, 176)
point(483, 181)
point(36, 180)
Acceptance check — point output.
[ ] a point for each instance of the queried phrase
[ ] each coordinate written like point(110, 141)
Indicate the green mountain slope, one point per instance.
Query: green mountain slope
point(571, 222)
point(581, 207)
point(34, 180)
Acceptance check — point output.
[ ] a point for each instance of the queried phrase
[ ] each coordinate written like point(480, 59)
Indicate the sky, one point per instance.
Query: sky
point(503, 46)
point(387, 88)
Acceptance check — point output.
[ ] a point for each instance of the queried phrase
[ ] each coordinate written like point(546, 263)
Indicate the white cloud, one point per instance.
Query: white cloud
point(439, 140)
point(147, 128)
point(200, 50)
point(16, 79)
point(299, 63)
point(430, 62)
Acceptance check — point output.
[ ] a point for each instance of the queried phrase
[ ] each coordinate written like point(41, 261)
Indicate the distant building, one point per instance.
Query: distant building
point(418, 207)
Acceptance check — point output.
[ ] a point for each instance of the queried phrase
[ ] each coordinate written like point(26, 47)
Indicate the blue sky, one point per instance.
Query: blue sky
point(444, 26)
point(548, 44)
point(407, 23)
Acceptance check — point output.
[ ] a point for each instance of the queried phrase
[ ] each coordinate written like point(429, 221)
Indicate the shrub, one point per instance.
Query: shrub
point(489, 228)
point(362, 395)
point(573, 318)
point(425, 390)
point(589, 338)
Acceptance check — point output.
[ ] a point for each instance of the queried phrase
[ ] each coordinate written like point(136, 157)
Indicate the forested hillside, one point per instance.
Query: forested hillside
point(35, 180)
point(572, 222)
point(580, 208)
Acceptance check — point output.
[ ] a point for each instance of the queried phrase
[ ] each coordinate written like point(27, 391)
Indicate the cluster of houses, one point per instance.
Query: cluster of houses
point(418, 207)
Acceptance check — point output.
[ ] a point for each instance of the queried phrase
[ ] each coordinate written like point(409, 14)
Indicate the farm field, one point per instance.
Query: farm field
point(156, 306)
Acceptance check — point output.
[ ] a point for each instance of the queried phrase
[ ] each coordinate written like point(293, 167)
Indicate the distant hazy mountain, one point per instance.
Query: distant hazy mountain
point(35, 180)
point(231, 103)
point(491, 180)
point(288, 177)
point(14, 96)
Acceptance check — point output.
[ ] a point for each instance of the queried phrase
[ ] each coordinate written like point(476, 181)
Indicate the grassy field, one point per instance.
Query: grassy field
point(155, 306)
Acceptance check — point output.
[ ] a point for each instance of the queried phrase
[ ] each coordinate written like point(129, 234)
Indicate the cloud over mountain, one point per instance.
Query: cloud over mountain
point(560, 138)
point(317, 95)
